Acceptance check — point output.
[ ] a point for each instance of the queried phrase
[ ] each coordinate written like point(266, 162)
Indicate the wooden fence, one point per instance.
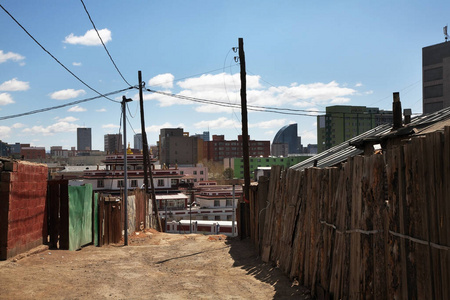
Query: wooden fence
point(375, 227)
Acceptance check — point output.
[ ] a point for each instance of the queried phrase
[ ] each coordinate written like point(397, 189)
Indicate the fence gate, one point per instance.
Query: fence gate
point(110, 216)
point(58, 213)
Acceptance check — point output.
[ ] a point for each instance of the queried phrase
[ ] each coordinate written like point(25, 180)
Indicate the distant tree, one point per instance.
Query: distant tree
point(215, 169)
point(228, 173)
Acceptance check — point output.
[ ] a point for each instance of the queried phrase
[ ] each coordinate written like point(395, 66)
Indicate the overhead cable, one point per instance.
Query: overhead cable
point(61, 106)
point(60, 63)
point(231, 105)
point(104, 46)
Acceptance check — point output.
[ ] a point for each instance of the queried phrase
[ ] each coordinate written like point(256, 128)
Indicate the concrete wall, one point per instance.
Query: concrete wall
point(23, 192)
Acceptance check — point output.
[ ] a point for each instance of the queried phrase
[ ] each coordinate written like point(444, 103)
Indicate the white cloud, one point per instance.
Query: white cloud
point(157, 128)
point(5, 99)
point(52, 129)
point(18, 125)
point(225, 89)
point(66, 94)
point(269, 133)
point(368, 92)
point(340, 100)
point(76, 108)
point(315, 92)
point(164, 101)
point(4, 132)
point(110, 126)
point(90, 38)
point(14, 85)
point(101, 110)
point(219, 123)
point(4, 57)
point(68, 119)
point(222, 81)
point(359, 84)
point(162, 80)
point(308, 137)
point(277, 123)
point(76, 64)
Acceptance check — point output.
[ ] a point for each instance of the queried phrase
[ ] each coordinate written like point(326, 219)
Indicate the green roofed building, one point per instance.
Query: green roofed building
point(237, 163)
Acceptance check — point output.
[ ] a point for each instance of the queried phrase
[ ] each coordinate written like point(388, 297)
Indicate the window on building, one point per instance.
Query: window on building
point(201, 172)
point(134, 183)
point(229, 218)
point(216, 203)
point(195, 172)
point(100, 183)
point(181, 172)
point(217, 218)
point(160, 182)
point(229, 202)
point(173, 182)
point(119, 183)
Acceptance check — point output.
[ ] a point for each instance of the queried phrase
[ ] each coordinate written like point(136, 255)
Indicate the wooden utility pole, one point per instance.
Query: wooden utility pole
point(147, 167)
point(245, 151)
point(125, 168)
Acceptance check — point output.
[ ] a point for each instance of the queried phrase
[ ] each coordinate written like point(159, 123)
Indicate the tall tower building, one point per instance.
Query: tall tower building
point(84, 139)
point(177, 147)
point(138, 141)
point(286, 141)
point(113, 143)
point(436, 77)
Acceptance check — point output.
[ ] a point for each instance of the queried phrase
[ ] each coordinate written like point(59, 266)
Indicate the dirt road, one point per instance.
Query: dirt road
point(153, 266)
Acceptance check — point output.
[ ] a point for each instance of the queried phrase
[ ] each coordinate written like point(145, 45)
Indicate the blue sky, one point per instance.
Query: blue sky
point(302, 55)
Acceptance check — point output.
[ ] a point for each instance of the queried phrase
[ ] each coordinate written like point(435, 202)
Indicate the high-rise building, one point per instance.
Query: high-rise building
point(138, 141)
point(204, 136)
point(436, 77)
point(177, 147)
point(342, 122)
point(286, 135)
point(84, 139)
point(219, 148)
point(113, 143)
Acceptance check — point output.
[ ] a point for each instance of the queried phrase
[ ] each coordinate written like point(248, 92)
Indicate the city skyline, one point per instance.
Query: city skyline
point(299, 56)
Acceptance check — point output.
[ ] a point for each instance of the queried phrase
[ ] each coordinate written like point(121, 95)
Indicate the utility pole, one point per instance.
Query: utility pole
point(245, 151)
point(147, 166)
point(125, 179)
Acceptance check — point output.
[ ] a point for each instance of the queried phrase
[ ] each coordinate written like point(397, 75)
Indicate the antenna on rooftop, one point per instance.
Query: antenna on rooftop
point(445, 32)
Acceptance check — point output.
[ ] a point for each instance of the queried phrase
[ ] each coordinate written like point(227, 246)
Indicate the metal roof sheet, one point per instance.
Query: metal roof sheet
point(419, 125)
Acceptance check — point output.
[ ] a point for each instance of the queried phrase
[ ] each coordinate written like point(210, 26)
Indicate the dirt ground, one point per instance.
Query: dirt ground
point(153, 266)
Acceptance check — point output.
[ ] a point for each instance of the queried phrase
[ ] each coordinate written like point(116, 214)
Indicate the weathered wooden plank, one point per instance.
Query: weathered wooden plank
point(424, 282)
point(356, 265)
point(298, 232)
point(434, 157)
point(445, 217)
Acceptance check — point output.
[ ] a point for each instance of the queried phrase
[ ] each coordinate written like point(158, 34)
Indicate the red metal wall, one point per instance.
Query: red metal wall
point(23, 191)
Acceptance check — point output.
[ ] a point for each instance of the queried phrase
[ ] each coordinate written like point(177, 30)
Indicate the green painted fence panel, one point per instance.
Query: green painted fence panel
point(80, 216)
point(96, 219)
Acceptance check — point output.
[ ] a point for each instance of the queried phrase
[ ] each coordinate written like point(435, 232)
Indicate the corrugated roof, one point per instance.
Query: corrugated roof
point(340, 153)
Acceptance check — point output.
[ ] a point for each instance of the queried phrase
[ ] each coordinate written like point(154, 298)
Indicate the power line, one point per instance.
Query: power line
point(187, 77)
point(60, 106)
point(231, 105)
point(60, 63)
point(104, 46)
